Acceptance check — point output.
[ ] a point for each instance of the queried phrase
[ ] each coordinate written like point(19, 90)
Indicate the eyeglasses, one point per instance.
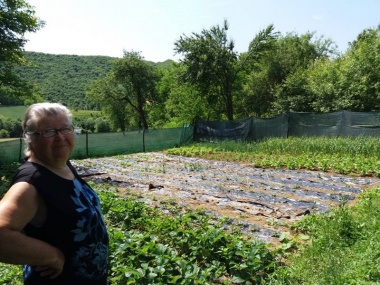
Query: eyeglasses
point(53, 132)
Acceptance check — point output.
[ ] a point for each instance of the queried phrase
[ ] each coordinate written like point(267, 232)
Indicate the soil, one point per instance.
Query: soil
point(262, 202)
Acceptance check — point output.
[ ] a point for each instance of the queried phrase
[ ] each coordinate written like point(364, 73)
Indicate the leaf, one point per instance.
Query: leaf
point(237, 280)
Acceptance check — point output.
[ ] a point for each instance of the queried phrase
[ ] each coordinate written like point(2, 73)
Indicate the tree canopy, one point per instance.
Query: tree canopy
point(212, 63)
point(132, 83)
point(277, 74)
point(17, 17)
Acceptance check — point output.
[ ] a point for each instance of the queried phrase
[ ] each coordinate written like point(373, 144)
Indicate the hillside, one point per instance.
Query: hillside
point(64, 78)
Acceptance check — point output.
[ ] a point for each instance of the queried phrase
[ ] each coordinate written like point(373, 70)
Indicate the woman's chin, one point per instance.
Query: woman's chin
point(62, 153)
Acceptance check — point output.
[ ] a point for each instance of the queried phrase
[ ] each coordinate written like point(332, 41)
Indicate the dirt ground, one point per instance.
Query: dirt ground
point(263, 202)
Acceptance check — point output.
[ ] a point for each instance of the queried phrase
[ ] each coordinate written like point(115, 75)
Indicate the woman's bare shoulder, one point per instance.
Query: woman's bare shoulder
point(19, 205)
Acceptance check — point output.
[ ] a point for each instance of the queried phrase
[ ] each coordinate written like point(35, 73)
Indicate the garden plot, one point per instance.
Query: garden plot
point(263, 202)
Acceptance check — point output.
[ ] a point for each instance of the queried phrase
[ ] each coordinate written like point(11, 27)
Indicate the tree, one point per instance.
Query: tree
point(102, 125)
point(277, 80)
point(105, 92)
point(350, 81)
point(183, 102)
point(137, 83)
point(16, 18)
point(131, 85)
point(359, 87)
point(212, 64)
point(323, 85)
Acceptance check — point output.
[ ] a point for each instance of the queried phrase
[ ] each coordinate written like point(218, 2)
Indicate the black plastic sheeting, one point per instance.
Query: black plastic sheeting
point(263, 202)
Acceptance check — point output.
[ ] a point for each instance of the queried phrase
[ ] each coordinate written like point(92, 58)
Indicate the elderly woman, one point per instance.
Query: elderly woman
point(50, 219)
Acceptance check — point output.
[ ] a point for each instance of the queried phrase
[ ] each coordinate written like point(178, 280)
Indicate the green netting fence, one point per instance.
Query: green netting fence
point(106, 144)
point(341, 123)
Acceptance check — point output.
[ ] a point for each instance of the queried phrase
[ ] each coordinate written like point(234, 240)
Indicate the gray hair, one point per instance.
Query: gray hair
point(33, 115)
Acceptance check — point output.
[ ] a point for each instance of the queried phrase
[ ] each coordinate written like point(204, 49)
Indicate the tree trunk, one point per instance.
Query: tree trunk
point(229, 103)
point(230, 113)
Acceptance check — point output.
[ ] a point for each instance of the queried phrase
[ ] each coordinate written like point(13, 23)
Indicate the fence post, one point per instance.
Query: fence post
point(20, 150)
point(86, 144)
point(143, 139)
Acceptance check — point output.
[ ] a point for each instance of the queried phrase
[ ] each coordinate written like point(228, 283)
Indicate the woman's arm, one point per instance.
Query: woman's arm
point(18, 207)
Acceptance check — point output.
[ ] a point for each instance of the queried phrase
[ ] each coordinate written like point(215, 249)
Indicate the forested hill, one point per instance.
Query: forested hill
point(64, 78)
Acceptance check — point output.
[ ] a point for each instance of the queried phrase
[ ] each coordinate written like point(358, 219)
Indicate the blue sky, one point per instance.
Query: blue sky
point(107, 27)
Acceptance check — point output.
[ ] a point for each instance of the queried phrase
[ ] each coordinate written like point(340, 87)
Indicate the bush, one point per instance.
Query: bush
point(4, 134)
point(102, 126)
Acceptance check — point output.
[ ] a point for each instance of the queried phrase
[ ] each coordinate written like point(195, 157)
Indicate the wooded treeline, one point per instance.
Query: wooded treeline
point(62, 78)
point(278, 73)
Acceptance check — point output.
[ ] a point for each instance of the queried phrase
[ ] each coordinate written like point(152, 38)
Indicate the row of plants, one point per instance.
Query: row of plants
point(176, 246)
point(149, 247)
point(344, 155)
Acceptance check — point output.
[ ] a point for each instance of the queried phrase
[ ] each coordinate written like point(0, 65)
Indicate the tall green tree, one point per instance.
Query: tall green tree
point(212, 64)
point(322, 84)
point(105, 92)
point(17, 18)
point(137, 81)
point(183, 102)
point(276, 83)
point(347, 82)
point(359, 87)
point(131, 85)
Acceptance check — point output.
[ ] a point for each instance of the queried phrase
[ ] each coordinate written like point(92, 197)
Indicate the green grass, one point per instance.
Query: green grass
point(13, 112)
point(86, 113)
point(345, 247)
point(17, 112)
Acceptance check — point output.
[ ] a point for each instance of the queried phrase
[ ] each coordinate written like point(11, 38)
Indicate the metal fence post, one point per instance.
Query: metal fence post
point(86, 144)
point(143, 139)
point(20, 150)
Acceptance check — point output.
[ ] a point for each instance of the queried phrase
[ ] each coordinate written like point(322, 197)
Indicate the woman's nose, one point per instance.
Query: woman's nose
point(59, 136)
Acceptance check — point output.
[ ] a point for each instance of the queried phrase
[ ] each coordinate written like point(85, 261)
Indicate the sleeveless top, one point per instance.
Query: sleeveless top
point(74, 224)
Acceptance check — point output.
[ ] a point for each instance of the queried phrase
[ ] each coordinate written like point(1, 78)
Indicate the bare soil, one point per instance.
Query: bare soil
point(263, 202)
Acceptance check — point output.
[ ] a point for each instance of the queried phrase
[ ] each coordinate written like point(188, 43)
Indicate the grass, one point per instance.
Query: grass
point(86, 114)
point(339, 247)
point(17, 112)
point(345, 246)
point(13, 112)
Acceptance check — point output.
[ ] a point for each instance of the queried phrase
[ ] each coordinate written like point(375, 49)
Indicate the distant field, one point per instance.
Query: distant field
point(15, 112)
point(86, 113)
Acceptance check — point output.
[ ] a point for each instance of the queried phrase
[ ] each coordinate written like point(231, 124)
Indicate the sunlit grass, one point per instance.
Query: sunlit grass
point(18, 112)
point(344, 250)
point(13, 112)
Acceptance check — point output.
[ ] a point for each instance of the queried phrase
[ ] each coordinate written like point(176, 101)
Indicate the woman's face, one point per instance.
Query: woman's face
point(54, 150)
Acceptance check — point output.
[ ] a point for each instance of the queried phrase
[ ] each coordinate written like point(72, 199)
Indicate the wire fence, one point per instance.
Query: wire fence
point(341, 123)
point(107, 144)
